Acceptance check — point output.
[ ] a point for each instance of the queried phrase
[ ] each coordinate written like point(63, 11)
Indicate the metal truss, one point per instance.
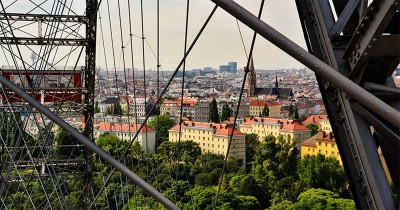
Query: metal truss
point(44, 18)
point(43, 41)
point(352, 45)
point(90, 73)
point(353, 59)
point(343, 96)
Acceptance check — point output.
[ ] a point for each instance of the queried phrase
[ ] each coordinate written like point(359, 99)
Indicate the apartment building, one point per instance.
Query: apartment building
point(322, 143)
point(212, 137)
point(264, 126)
point(173, 107)
point(126, 132)
point(256, 108)
point(321, 120)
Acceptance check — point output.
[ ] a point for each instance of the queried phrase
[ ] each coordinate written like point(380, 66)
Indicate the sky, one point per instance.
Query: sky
point(219, 44)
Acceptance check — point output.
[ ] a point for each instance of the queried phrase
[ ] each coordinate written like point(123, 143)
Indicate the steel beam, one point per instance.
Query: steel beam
point(376, 19)
point(43, 18)
point(42, 41)
point(370, 179)
point(90, 80)
point(355, 91)
point(90, 145)
point(344, 17)
point(378, 87)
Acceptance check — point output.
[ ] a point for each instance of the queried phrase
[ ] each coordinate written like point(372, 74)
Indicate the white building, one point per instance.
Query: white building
point(126, 132)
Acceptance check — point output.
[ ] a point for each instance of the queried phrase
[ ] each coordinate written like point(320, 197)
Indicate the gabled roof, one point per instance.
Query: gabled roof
point(263, 103)
point(314, 118)
point(219, 129)
point(121, 127)
point(294, 126)
point(320, 136)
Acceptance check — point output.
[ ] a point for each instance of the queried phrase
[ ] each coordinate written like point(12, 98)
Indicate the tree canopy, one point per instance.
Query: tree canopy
point(313, 127)
point(162, 123)
point(213, 114)
point(226, 112)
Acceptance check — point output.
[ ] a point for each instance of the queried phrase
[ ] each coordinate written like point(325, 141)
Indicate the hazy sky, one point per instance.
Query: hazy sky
point(219, 44)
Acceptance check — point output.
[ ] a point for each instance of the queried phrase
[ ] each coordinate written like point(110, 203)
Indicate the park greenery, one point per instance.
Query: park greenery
point(273, 177)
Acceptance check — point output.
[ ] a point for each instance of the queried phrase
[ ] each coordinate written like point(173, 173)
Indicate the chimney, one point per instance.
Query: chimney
point(321, 134)
point(330, 135)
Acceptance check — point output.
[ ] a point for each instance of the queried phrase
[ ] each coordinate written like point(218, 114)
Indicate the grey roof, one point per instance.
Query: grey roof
point(281, 92)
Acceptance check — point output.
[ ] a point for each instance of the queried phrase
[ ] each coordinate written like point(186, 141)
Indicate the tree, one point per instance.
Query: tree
point(112, 144)
point(117, 109)
point(213, 115)
point(67, 145)
point(162, 123)
point(280, 156)
point(265, 111)
point(317, 199)
point(323, 172)
point(251, 146)
point(313, 127)
point(296, 113)
point(226, 112)
point(96, 107)
point(291, 111)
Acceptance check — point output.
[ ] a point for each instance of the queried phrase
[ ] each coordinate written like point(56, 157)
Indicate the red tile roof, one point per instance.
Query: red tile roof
point(121, 127)
point(320, 136)
point(263, 103)
point(314, 118)
point(227, 131)
point(294, 126)
point(219, 129)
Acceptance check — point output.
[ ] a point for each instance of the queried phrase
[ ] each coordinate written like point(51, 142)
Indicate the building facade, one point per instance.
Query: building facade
point(322, 143)
point(126, 132)
point(256, 108)
point(264, 126)
point(211, 137)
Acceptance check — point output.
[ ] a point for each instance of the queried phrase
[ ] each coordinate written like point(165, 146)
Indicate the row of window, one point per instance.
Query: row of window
point(326, 152)
point(326, 144)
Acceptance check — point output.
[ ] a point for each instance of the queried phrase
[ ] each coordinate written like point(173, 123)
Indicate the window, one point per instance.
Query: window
point(333, 153)
point(332, 145)
point(319, 143)
point(326, 144)
point(212, 145)
point(309, 149)
point(319, 151)
point(326, 152)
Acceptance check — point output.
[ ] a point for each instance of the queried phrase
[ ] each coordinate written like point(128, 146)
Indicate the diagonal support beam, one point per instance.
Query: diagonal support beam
point(90, 145)
point(344, 17)
point(319, 67)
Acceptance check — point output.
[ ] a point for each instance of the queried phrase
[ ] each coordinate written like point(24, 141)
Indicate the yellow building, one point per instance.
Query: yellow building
point(256, 107)
point(321, 120)
point(325, 125)
point(321, 143)
point(264, 126)
point(212, 137)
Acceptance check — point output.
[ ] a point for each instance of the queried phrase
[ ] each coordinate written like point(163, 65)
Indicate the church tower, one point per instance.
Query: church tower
point(251, 80)
point(275, 90)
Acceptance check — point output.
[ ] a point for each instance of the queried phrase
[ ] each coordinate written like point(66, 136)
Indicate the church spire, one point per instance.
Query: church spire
point(276, 79)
